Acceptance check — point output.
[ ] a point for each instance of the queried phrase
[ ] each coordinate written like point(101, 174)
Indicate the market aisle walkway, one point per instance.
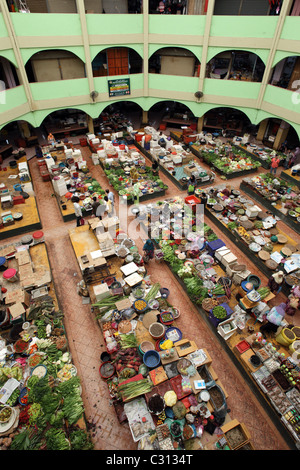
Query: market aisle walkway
point(86, 343)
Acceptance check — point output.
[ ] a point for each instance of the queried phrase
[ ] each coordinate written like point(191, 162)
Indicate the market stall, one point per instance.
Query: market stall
point(255, 233)
point(174, 161)
point(276, 195)
point(159, 382)
point(19, 211)
point(235, 303)
point(40, 394)
point(291, 175)
point(70, 176)
point(225, 158)
point(259, 152)
point(128, 171)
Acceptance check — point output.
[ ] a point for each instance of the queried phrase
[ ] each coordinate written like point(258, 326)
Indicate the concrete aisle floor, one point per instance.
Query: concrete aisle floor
point(86, 342)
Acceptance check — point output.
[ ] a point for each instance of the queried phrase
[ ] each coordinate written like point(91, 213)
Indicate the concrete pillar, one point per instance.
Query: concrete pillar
point(90, 123)
point(24, 127)
point(200, 123)
point(145, 117)
point(281, 134)
point(262, 129)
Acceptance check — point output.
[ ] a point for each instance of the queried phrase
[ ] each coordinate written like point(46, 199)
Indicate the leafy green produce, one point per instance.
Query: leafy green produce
point(80, 440)
point(56, 439)
point(219, 312)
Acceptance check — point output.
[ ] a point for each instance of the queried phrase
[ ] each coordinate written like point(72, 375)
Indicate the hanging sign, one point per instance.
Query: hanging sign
point(118, 87)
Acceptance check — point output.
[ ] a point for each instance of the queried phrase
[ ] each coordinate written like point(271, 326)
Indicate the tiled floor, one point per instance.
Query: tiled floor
point(86, 343)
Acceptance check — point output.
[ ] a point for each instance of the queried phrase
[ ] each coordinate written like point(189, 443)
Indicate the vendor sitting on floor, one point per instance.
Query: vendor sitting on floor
point(274, 319)
point(275, 282)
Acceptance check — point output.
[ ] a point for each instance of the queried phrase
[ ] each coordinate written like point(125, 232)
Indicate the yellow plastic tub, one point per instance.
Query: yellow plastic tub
point(295, 346)
point(286, 337)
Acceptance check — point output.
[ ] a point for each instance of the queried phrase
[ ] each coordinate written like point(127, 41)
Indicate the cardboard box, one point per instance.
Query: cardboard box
point(17, 312)
point(17, 296)
point(235, 424)
point(185, 347)
point(101, 291)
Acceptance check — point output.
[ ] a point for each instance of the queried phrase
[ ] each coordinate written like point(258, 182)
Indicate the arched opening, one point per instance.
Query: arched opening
point(8, 75)
point(65, 124)
point(226, 121)
point(172, 7)
point(286, 72)
point(53, 65)
point(236, 65)
point(277, 133)
point(18, 135)
point(117, 61)
point(171, 114)
point(174, 61)
point(118, 116)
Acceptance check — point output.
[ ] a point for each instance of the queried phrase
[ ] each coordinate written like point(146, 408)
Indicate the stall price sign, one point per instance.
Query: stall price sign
point(120, 86)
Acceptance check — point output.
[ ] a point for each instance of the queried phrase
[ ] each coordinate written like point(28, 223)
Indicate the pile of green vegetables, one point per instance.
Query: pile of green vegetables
point(50, 418)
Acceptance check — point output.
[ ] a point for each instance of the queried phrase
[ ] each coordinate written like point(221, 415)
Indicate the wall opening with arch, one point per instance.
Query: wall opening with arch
point(286, 72)
point(117, 61)
point(236, 65)
point(8, 74)
point(174, 61)
point(53, 65)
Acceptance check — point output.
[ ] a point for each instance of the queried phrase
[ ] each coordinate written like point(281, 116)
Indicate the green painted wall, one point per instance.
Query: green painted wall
point(290, 28)
point(68, 25)
point(136, 82)
point(13, 98)
point(243, 26)
point(173, 83)
point(114, 24)
point(3, 30)
point(238, 89)
point(59, 89)
point(287, 99)
point(9, 55)
point(50, 24)
point(177, 24)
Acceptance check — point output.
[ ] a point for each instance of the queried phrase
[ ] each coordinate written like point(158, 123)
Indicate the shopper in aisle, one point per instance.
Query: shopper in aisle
point(296, 157)
point(287, 159)
point(274, 164)
point(78, 210)
point(155, 168)
point(95, 205)
point(108, 208)
point(192, 185)
point(148, 250)
point(111, 198)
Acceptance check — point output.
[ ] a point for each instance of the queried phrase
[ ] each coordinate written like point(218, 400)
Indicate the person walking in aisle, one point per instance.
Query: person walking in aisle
point(108, 206)
point(77, 208)
point(274, 164)
point(111, 198)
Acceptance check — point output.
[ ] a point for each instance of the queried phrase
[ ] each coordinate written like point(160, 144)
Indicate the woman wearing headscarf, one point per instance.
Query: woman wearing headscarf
point(275, 282)
point(148, 249)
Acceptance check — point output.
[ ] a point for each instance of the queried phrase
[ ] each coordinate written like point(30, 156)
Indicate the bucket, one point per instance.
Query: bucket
point(286, 337)
point(10, 275)
point(17, 187)
point(38, 236)
point(295, 346)
point(296, 330)
point(157, 330)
